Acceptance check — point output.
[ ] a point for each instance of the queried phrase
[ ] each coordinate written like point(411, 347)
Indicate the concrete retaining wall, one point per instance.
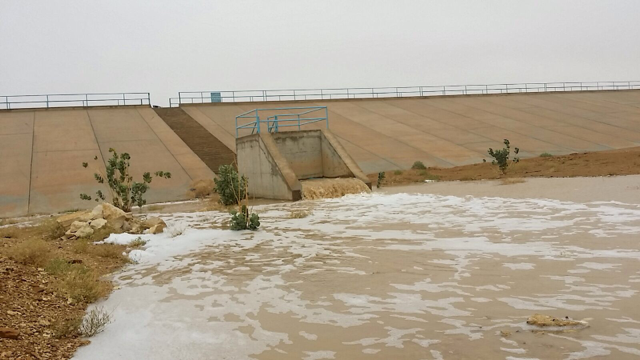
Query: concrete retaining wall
point(274, 163)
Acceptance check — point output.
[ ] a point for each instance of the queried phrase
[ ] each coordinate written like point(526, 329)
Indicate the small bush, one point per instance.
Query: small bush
point(66, 328)
point(243, 220)
point(546, 154)
point(418, 165)
point(94, 322)
point(82, 285)
point(125, 192)
point(381, 177)
point(30, 252)
point(299, 214)
point(231, 188)
point(52, 230)
point(397, 172)
point(501, 157)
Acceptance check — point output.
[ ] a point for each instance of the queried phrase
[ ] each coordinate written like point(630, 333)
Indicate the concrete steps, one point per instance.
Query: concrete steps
point(208, 148)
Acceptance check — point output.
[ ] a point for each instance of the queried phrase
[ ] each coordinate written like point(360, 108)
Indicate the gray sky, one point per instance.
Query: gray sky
point(162, 46)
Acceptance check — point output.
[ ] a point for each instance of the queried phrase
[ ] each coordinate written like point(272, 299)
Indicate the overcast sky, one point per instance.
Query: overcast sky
point(166, 46)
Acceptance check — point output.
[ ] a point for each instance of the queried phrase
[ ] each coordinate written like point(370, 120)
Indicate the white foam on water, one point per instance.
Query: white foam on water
point(173, 302)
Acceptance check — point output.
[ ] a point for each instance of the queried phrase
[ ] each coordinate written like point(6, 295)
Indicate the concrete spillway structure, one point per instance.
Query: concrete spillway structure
point(275, 163)
point(391, 133)
point(42, 151)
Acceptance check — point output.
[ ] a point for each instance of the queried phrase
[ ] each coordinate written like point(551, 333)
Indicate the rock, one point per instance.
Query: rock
point(68, 219)
point(77, 225)
point(12, 312)
point(98, 223)
point(96, 213)
point(110, 212)
point(152, 221)
point(8, 333)
point(156, 229)
point(114, 216)
point(84, 231)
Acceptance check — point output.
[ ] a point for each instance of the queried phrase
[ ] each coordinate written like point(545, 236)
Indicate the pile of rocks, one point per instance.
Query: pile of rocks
point(83, 224)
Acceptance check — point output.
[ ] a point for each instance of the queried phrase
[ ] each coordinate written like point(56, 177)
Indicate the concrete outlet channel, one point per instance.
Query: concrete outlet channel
point(275, 163)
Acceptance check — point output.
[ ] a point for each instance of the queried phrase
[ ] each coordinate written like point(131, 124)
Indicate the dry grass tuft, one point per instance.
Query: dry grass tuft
point(511, 181)
point(154, 207)
point(137, 243)
point(94, 322)
point(299, 214)
point(201, 188)
point(51, 230)
point(82, 285)
point(33, 252)
point(66, 328)
point(110, 251)
point(8, 233)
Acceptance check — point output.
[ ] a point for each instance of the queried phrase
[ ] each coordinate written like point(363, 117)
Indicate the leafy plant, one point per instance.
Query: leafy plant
point(546, 154)
point(124, 191)
point(381, 177)
point(397, 172)
point(501, 157)
point(418, 165)
point(244, 220)
point(230, 187)
point(233, 191)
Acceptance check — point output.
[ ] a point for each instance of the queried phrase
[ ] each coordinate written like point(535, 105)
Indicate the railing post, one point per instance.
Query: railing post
point(298, 122)
point(124, 100)
point(348, 94)
point(294, 95)
point(257, 120)
point(326, 116)
point(47, 101)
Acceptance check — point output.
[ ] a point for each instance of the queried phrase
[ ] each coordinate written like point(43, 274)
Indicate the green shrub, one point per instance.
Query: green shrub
point(501, 157)
point(124, 191)
point(244, 220)
point(381, 177)
point(230, 187)
point(397, 172)
point(546, 154)
point(418, 165)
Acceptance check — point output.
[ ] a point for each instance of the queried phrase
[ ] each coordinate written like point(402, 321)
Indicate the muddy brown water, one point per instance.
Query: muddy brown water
point(439, 271)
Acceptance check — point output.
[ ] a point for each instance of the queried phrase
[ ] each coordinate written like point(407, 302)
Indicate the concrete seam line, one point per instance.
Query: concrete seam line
point(33, 136)
point(163, 144)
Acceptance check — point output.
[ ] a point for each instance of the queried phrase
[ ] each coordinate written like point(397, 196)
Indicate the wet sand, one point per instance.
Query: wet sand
point(431, 271)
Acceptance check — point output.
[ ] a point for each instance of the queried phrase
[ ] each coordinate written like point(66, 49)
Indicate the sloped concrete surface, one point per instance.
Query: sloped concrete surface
point(42, 151)
point(392, 133)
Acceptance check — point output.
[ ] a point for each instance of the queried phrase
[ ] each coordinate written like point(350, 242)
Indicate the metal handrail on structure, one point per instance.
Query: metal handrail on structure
point(308, 115)
point(63, 100)
point(197, 97)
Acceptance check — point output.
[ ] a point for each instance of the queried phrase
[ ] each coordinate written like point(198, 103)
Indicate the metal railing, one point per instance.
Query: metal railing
point(67, 100)
point(282, 117)
point(195, 97)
